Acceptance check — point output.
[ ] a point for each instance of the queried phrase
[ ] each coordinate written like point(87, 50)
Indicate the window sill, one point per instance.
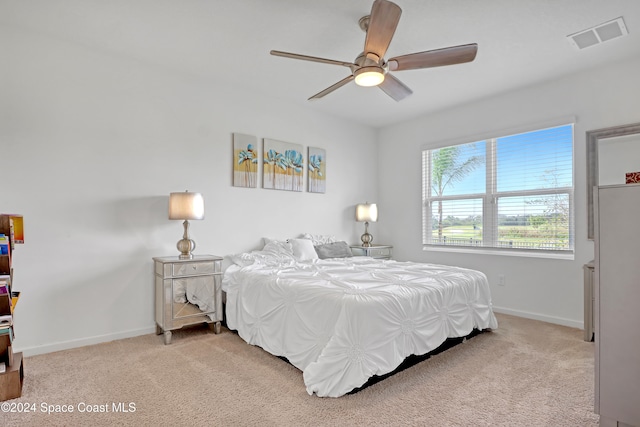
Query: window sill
point(568, 255)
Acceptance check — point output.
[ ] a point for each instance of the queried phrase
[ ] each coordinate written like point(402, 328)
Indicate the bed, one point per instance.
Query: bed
point(342, 320)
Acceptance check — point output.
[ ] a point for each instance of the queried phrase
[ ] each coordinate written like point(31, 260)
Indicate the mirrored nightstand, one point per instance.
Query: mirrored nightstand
point(180, 285)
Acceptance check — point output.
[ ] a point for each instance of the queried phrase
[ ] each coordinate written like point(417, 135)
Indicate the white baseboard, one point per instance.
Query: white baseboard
point(65, 345)
point(544, 318)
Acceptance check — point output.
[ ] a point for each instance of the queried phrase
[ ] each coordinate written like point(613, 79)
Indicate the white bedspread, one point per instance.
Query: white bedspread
point(342, 321)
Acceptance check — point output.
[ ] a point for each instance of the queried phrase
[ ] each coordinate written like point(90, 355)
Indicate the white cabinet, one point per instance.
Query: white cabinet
point(617, 308)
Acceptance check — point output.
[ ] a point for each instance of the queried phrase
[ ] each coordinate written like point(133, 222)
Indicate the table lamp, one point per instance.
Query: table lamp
point(364, 213)
point(186, 206)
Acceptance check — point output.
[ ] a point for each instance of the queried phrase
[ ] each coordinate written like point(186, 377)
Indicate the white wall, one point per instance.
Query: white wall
point(550, 290)
point(92, 144)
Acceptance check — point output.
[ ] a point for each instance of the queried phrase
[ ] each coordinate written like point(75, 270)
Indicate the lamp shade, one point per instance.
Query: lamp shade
point(186, 206)
point(367, 212)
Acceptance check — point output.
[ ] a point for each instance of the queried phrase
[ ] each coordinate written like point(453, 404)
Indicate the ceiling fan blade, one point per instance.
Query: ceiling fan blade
point(394, 88)
point(383, 21)
point(332, 88)
point(434, 58)
point(310, 58)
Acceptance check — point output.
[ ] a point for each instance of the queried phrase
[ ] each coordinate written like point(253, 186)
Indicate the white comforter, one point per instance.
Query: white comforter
point(342, 321)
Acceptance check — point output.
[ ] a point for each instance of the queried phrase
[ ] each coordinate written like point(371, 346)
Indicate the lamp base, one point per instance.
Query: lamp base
point(186, 245)
point(366, 237)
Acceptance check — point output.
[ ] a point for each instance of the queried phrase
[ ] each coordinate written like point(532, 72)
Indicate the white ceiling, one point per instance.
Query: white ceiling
point(521, 42)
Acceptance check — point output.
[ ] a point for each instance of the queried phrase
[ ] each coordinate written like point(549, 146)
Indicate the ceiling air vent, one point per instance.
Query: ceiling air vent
point(598, 34)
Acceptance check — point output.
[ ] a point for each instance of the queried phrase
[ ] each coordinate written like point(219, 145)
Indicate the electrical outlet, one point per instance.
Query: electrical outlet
point(501, 280)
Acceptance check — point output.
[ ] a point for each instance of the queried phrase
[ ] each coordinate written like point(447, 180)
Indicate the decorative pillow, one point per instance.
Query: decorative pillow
point(303, 249)
point(319, 239)
point(273, 253)
point(267, 240)
point(279, 248)
point(334, 250)
point(243, 259)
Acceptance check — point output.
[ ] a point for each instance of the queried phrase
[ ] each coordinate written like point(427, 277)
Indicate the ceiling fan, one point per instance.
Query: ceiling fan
point(370, 67)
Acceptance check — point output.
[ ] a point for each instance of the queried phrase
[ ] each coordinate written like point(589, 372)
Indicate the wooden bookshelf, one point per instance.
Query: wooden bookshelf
point(13, 376)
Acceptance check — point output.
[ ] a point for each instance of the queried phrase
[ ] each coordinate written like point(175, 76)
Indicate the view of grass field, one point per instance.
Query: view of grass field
point(518, 236)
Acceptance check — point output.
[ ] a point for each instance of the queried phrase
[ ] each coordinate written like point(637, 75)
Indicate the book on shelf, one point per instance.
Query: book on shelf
point(7, 331)
point(6, 339)
point(5, 244)
point(5, 279)
point(16, 223)
point(15, 296)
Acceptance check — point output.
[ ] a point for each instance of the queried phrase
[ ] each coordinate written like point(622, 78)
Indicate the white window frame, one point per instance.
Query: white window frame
point(490, 201)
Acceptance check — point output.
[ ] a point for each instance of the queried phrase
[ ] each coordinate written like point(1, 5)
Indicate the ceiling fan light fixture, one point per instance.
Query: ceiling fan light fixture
point(369, 76)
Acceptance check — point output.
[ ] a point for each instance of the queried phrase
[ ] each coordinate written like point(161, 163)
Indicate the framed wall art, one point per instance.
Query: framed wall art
point(283, 165)
point(245, 160)
point(317, 175)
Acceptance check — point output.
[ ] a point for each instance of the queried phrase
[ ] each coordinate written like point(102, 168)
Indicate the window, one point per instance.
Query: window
point(508, 193)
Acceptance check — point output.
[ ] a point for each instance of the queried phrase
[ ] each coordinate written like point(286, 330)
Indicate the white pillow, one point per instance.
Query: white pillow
point(319, 239)
point(278, 248)
point(243, 259)
point(264, 257)
point(303, 249)
point(274, 252)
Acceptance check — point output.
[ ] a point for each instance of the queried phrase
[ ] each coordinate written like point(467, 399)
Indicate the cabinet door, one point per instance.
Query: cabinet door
point(200, 291)
point(618, 302)
point(380, 252)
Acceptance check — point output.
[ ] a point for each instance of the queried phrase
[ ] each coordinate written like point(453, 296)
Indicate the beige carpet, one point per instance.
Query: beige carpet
point(526, 373)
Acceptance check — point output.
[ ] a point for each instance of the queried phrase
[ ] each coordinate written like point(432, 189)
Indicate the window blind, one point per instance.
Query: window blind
point(509, 192)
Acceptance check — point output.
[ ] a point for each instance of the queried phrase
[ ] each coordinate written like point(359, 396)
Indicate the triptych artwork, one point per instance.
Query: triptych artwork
point(282, 164)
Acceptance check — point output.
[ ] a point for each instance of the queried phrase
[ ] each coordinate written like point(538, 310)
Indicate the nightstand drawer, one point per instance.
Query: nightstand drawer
point(375, 251)
point(193, 268)
point(380, 252)
point(358, 251)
